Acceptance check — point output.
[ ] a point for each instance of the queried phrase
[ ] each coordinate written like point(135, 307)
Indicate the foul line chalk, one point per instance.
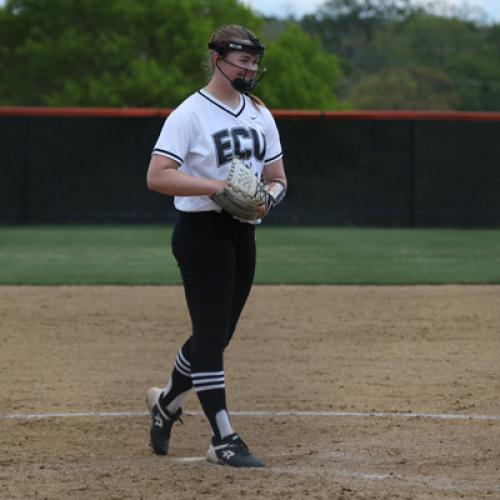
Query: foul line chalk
point(435, 416)
point(187, 460)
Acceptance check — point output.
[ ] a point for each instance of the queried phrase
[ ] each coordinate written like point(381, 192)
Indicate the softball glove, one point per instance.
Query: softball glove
point(243, 193)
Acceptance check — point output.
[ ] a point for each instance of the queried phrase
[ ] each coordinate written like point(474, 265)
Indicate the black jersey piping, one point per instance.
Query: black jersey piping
point(222, 107)
point(274, 157)
point(169, 154)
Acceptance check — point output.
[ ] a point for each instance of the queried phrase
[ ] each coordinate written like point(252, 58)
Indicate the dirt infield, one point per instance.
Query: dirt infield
point(345, 392)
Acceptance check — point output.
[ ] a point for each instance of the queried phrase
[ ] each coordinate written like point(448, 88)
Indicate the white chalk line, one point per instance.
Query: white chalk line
point(188, 460)
point(336, 469)
point(435, 483)
point(291, 413)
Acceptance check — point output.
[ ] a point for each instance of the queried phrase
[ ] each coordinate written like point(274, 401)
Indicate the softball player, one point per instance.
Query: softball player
point(214, 251)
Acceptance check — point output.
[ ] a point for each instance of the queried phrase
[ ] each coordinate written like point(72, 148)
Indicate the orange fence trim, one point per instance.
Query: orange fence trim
point(277, 113)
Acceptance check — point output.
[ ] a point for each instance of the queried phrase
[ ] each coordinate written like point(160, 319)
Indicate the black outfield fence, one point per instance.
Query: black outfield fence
point(405, 169)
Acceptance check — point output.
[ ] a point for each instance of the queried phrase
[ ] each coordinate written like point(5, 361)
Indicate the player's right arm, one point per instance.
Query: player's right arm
point(164, 177)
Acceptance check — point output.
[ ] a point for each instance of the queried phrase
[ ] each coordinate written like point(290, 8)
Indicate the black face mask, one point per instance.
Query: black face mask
point(244, 84)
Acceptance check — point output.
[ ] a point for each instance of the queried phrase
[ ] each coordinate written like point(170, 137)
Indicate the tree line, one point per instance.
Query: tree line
point(349, 54)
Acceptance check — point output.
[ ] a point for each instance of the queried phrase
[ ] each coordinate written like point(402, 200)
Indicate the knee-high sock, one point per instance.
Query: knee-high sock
point(211, 391)
point(180, 381)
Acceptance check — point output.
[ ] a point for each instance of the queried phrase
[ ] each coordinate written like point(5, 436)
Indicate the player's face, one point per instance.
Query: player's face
point(241, 64)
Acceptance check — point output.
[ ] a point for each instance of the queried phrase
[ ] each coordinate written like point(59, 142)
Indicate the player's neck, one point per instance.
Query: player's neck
point(224, 93)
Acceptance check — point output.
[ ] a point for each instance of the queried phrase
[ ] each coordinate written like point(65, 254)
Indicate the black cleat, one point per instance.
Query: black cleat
point(161, 422)
point(232, 451)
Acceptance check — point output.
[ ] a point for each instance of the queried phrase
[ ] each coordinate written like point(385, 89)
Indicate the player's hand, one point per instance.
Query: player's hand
point(261, 211)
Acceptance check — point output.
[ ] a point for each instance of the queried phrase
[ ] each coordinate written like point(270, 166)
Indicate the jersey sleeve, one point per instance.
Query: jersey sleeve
point(273, 144)
point(173, 140)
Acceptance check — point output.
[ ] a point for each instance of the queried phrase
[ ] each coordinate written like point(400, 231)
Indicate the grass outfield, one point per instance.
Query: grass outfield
point(138, 255)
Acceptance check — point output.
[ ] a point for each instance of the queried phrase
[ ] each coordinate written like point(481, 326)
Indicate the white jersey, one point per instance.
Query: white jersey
point(203, 134)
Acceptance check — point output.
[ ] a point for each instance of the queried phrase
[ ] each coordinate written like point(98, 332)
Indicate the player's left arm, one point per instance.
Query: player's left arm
point(275, 183)
point(275, 172)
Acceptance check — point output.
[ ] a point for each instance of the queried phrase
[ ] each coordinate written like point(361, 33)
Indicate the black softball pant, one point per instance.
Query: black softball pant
point(216, 257)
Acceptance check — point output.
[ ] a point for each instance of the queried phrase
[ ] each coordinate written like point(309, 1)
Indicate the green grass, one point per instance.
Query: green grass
point(136, 255)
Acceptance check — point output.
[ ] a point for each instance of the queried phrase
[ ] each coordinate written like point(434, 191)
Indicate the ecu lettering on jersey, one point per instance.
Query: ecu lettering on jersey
point(241, 142)
point(203, 134)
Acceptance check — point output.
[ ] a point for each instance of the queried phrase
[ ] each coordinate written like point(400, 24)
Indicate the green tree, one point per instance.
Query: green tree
point(112, 53)
point(302, 74)
point(416, 88)
point(347, 27)
point(461, 49)
point(143, 53)
point(373, 35)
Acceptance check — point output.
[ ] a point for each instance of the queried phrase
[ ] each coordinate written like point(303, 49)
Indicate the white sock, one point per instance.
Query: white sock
point(223, 423)
point(177, 402)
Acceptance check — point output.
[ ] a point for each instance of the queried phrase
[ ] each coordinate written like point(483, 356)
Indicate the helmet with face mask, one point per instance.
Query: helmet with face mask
point(246, 83)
